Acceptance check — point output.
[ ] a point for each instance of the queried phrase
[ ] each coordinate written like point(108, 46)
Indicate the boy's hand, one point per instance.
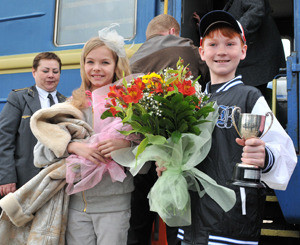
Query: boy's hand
point(253, 151)
point(159, 170)
point(106, 147)
point(85, 150)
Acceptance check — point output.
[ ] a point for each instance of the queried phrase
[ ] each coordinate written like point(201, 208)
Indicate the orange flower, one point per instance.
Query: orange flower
point(134, 95)
point(113, 111)
point(170, 88)
point(115, 91)
point(158, 88)
point(113, 101)
point(186, 88)
point(138, 82)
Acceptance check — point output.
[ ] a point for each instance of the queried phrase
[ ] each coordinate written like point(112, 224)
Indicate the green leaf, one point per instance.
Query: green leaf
point(167, 113)
point(146, 129)
point(204, 111)
point(124, 81)
point(196, 80)
point(195, 130)
point(202, 121)
point(167, 123)
point(175, 136)
point(160, 99)
point(141, 147)
point(182, 106)
point(156, 139)
point(141, 108)
point(177, 98)
point(135, 125)
point(106, 114)
point(170, 93)
point(127, 132)
point(191, 120)
point(171, 79)
point(129, 113)
point(183, 126)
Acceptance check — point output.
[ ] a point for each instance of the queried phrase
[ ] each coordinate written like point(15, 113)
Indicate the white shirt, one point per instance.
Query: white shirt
point(43, 96)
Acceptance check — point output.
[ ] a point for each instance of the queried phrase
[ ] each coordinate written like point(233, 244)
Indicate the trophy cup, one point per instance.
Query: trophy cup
point(249, 126)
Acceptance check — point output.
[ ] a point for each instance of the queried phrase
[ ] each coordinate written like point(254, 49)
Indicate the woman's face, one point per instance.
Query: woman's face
point(47, 74)
point(100, 67)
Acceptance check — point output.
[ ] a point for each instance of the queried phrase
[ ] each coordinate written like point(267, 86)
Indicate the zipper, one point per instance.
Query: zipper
point(85, 203)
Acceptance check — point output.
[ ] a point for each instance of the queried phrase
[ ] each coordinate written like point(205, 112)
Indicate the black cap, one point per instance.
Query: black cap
point(216, 17)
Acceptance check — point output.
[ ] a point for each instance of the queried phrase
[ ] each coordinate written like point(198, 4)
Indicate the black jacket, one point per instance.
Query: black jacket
point(265, 53)
point(208, 218)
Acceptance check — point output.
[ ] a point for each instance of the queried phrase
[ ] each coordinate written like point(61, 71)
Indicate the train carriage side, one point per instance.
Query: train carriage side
point(30, 27)
point(62, 26)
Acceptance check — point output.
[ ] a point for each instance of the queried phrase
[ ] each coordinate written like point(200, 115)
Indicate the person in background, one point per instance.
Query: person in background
point(223, 45)
point(265, 54)
point(162, 49)
point(99, 214)
point(16, 139)
point(164, 46)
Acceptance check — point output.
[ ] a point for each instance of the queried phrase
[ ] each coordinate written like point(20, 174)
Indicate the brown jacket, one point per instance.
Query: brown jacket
point(160, 52)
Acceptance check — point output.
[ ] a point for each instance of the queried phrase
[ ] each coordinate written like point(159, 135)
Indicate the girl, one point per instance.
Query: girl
point(99, 215)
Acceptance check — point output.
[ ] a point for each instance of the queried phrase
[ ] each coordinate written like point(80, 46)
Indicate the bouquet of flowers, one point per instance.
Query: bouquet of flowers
point(176, 121)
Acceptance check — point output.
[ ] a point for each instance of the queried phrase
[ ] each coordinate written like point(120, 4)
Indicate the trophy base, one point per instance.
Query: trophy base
point(247, 176)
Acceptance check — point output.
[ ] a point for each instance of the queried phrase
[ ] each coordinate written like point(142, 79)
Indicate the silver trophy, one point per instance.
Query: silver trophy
point(249, 126)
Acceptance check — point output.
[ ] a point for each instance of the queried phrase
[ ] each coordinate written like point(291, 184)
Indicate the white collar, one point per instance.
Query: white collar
point(44, 94)
point(226, 86)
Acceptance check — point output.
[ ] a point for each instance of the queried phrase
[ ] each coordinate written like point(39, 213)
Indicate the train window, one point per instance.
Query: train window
point(76, 21)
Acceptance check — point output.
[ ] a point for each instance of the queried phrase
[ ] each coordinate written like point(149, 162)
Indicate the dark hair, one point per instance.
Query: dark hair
point(45, 56)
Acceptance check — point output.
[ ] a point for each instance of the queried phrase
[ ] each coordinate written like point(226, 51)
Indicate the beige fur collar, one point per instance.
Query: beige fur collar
point(54, 127)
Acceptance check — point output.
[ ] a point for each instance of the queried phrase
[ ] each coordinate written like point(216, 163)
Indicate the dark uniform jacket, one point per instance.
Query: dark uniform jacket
point(16, 139)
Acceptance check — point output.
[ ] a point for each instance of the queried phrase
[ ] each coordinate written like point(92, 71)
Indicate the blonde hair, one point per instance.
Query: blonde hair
point(79, 96)
point(162, 23)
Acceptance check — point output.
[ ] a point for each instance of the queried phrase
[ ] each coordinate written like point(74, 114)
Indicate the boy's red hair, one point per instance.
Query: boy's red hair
point(225, 30)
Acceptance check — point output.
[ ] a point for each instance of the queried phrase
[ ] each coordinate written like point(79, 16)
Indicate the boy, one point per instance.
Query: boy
point(222, 46)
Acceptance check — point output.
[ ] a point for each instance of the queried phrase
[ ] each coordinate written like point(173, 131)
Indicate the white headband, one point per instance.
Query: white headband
point(112, 39)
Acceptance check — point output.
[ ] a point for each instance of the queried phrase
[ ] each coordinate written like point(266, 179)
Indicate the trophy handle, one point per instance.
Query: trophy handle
point(233, 120)
point(272, 118)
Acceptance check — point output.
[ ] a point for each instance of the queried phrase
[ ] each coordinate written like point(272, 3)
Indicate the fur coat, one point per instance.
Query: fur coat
point(37, 212)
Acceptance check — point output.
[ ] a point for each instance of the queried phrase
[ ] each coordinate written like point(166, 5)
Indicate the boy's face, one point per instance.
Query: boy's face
point(222, 55)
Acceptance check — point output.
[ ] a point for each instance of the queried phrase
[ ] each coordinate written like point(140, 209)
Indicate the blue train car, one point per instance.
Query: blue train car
point(63, 26)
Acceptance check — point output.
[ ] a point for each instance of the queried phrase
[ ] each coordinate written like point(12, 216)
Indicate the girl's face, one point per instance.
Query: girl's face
point(100, 67)
point(222, 55)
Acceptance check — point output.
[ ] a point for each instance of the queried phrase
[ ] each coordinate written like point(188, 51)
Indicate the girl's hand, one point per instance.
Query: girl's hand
point(253, 151)
point(159, 170)
point(85, 150)
point(106, 147)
